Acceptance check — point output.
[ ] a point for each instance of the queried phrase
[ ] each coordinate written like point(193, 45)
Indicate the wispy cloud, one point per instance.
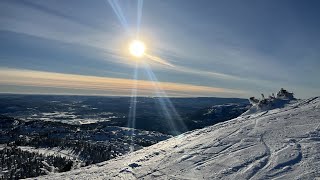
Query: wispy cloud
point(110, 86)
point(159, 60)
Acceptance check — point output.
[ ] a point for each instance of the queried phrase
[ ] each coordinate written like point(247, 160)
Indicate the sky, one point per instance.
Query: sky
point(195, 48)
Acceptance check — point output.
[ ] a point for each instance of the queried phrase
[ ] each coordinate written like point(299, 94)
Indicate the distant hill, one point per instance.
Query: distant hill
point(151, 112)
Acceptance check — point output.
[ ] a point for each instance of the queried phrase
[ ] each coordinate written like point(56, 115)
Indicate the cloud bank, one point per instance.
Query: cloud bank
point(106, 85)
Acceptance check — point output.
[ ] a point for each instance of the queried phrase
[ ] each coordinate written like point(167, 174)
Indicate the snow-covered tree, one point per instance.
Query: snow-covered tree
point(283, 97)
point(284, 94)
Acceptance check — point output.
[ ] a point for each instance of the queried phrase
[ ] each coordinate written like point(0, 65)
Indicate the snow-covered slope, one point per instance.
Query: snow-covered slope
point(280, 143)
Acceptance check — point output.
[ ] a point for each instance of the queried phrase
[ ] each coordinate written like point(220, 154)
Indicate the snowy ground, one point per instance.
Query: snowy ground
point(276, 144)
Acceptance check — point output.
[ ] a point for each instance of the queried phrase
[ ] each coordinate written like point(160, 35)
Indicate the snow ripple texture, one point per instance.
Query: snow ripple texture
point(276, 144)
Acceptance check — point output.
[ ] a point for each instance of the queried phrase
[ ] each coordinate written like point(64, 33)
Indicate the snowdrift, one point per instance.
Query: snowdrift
point(281, 143)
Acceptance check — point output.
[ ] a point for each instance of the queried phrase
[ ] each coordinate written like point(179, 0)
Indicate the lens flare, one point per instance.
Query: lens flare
point(137, 48)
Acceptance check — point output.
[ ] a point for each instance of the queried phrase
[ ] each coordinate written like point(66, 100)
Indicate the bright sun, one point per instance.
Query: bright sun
point(137, 48)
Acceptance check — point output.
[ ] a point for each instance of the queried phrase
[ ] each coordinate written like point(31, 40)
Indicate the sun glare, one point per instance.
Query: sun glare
point(137, 48)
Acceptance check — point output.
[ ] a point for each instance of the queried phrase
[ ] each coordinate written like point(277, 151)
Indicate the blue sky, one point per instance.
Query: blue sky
point(217, 48)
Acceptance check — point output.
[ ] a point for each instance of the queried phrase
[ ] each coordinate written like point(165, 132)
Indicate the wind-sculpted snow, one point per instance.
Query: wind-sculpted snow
point(281, 143)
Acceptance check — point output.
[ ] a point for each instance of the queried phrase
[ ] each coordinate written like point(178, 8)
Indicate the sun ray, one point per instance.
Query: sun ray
point(133, 107)
point(118, 11)
point(170, 112)
point(139, 15)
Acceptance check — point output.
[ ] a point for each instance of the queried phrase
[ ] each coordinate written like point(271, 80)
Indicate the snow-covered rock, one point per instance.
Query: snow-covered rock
point(276, 144)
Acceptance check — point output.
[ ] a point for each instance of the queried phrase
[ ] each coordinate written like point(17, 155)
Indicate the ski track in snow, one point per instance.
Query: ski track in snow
point(276, 144)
